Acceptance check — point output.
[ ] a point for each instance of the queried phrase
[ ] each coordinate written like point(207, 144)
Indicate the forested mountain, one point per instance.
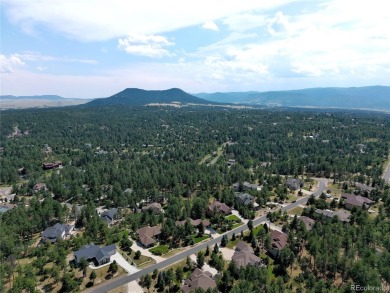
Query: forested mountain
point(139, 97)
point(370, 97)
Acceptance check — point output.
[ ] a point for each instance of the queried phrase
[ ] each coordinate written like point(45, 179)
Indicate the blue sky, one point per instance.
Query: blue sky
point(94, 48)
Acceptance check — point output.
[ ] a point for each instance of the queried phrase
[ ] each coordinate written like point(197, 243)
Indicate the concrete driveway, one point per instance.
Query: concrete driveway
point(124, 263)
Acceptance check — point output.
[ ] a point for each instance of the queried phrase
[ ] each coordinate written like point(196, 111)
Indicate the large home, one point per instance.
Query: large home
point(52, 165)
point(147, 235)
point(294, 183)
point(195, 223)
point(155, 207)
point(58, 231)
point(364, 187)
point(244, 198)
point(278, 242)
point(309, 223)
point(92, 252)
point(244, 255)
point(219, 207)
point(356, 201)
point(109, 216)
point(40, 187)
point(198, 279)
point(246, 186)
point(342, 216)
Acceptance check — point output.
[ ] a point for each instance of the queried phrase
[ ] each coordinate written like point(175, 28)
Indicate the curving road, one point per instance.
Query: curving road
point(182, 255)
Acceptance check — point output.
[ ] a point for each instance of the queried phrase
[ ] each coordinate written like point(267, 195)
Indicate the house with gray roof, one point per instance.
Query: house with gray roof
point(294, 183)
point(155, 207)
point(58, 231)
point(109, 216)
point(98, 255)
point(342, 216)
point(244, 198)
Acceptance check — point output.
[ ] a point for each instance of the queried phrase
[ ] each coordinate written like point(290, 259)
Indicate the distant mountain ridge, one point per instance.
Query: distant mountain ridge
point(370, 97)
point(139, 97)
point(39, 97)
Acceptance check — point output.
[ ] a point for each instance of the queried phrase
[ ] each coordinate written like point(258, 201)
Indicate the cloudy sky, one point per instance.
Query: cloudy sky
point(95, 48)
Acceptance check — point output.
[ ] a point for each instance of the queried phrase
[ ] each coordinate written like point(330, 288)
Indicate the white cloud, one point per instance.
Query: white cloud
point(210, 25)
point(8, 64)
point(97, 20)
point(145, 45)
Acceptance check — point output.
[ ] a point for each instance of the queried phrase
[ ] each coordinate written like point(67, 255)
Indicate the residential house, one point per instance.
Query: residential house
point(364, 187)
point(92, 252)
point(52, 165)
point(294, 183)
point(309, 223)
point(342, 216)
point(195, 223)
point(147, 235)
point(231, 162)
point(58, 231)
point(40, 187)
point(356, 201)
point(155, 207)
point(278, 242)
point(109, 216)
point(245, 187)
point(244, 198)
point(199, 279)
point(219, 207)
point(244, 255)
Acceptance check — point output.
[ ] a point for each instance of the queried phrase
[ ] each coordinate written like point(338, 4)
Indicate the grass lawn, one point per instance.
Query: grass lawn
point(138, 262)
point(159, 250)
point(199, 239)
point(257, 229)
point(233, 218)
point(236, 225)
point(172, 252)
point(232, 243)
point(335, 189)
point(296, 211)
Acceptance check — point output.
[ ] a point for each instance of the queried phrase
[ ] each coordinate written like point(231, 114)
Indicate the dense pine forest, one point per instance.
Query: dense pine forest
point(184, 158)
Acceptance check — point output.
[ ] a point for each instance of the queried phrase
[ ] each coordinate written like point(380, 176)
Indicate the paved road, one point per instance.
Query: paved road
point(180, 256)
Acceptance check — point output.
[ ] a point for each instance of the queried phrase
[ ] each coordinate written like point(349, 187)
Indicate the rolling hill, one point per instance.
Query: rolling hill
point(370, 97)
point(139, 97)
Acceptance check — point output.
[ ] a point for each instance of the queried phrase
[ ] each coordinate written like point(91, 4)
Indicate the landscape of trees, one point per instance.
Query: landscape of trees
point(124, 156)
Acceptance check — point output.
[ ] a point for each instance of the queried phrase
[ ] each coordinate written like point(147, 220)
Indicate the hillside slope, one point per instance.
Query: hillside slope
point(370, 97)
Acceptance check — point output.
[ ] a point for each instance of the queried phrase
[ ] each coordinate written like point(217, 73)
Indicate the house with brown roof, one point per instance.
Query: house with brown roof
point(309, 223)
point(40, 187)
point(147, 235)
point(244, 255)
point(356, 201)
point(155, 207)
point(51, 165)
point(195, 223)
point(278, 242)
point(219, 207)
point(198, 279)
